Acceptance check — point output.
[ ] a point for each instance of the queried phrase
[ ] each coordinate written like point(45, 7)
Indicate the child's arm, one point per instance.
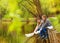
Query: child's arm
point(36, 28)
point(35, 31)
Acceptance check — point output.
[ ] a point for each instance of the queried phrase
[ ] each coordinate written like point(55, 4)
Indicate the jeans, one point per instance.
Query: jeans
point(43, 34)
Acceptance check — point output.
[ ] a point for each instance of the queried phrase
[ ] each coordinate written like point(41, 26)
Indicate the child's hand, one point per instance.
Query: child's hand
point(37, 32)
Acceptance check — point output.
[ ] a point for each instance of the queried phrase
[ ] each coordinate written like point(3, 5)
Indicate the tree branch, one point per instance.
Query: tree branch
point(29, 10)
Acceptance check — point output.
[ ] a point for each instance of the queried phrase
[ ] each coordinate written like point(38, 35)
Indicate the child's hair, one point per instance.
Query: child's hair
point(38, 18)
point(44, 16)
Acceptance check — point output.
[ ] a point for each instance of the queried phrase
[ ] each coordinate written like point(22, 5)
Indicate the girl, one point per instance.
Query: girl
point(42, 26)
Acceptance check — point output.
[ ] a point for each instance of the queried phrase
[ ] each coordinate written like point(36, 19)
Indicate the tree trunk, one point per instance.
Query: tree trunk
point(38, 8)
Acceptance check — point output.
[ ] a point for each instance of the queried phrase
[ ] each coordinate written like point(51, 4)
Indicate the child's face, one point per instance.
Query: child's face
point(43, 18)
point(38, 21)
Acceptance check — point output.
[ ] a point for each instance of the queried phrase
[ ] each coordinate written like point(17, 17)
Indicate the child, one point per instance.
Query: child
point(41, 29)
point(46, 24)
point(38, 26)
point(36, 29)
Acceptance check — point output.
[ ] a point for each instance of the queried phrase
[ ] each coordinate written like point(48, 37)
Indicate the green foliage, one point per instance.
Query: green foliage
point(55, 23)
point(22, 10)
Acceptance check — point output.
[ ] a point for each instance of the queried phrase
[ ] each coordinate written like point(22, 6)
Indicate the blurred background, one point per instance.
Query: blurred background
point(18, 17)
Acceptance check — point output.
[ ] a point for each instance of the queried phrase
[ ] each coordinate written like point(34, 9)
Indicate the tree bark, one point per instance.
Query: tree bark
point(38, 8)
